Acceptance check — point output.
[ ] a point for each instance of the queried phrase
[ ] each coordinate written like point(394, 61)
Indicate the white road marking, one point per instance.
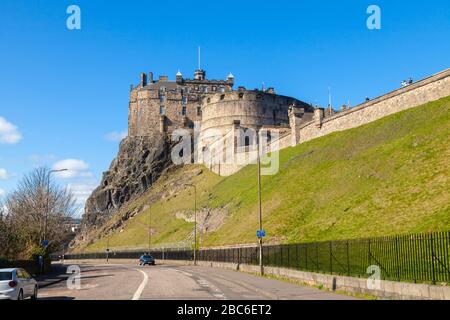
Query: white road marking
point(185, 273)
point(138, 293)
point(217, 293)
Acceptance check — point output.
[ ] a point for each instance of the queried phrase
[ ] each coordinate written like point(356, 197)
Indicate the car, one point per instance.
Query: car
point(146, 259)
point(17, 284)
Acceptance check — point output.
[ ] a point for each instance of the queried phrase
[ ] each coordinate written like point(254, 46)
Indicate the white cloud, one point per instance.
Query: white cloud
point(75, 169)
point(2, 193)
point(116, 136)
point(81, 193)
point(9, 133)
point(3, 174)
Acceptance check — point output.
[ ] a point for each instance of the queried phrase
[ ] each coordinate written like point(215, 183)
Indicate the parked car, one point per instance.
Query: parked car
point(17, 284)
point(146, 259)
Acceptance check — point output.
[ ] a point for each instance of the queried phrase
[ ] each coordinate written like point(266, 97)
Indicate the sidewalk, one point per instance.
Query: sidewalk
point(56, 275)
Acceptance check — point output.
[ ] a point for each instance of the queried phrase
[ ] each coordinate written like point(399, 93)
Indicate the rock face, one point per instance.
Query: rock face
point(139, 163)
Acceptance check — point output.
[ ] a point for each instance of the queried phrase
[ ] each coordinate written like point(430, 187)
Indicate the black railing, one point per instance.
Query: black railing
point(415, 258)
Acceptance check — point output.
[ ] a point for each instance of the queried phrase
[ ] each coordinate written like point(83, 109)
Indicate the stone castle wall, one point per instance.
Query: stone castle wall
point(146, 116)
point(304, 128)
point(250, 108)
point(164, 105)
point(421, 92)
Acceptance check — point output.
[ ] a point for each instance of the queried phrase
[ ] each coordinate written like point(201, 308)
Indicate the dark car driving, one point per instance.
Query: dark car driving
point(146, 259)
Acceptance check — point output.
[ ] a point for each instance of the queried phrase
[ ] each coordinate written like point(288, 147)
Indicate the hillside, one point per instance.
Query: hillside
point(389, 177)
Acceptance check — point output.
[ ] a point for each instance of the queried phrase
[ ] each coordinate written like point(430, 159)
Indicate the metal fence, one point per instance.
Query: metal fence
point(415, 258)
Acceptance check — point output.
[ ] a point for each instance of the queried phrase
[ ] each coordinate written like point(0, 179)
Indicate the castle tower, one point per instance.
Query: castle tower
point(230, 79)
point(179, 77)
point(200, 75)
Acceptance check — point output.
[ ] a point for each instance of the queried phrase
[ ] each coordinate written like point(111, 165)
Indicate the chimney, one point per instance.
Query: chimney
point(143, 79)
point(150, 77)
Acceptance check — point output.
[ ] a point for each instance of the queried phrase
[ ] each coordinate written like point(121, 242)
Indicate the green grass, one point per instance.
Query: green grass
point(389, 177)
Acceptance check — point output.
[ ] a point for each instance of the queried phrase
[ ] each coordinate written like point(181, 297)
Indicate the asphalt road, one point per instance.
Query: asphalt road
point(161, 282)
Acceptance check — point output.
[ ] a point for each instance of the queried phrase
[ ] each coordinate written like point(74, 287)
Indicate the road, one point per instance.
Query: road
point(168, 282)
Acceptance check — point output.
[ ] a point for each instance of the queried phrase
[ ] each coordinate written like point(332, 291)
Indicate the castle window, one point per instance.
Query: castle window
point(247, 141)
point(199, 111)
point(214, 88)
point(209, 100)
point(222, 89)
point(162, 98)
point(241, 95)
point(162, 110)
point(205, 89)
point(222, 97)
point(183, 111)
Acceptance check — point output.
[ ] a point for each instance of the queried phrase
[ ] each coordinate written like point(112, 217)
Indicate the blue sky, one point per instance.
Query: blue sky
point(64, 94)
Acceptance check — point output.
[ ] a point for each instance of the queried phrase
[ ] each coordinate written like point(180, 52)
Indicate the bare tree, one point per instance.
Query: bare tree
point(9, 241)
point(39, 204)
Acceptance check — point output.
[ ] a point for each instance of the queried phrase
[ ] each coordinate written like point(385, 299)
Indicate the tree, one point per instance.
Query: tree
point(38, 204)
point(8, 235)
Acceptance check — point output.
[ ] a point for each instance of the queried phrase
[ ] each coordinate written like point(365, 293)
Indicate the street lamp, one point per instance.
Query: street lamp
point(149, 229)
point(48, 200)
point(261, 267)
point(195, 221)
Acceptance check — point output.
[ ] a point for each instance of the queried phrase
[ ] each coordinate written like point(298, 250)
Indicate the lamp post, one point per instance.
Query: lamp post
point(149, 229)
point(195, 221)
point(261, 267)
point(48, 200)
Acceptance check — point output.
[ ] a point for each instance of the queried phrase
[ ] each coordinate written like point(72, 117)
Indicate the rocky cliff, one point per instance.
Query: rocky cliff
point(139, 163)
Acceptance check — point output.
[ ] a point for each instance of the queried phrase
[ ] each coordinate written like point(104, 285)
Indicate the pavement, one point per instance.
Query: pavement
point(57, 274)
point(169, 282)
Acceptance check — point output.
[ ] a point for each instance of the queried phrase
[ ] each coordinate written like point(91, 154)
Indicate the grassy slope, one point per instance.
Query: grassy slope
point(388, 177)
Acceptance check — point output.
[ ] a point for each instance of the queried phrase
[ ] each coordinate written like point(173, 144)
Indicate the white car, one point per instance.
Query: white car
point(17, 284)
